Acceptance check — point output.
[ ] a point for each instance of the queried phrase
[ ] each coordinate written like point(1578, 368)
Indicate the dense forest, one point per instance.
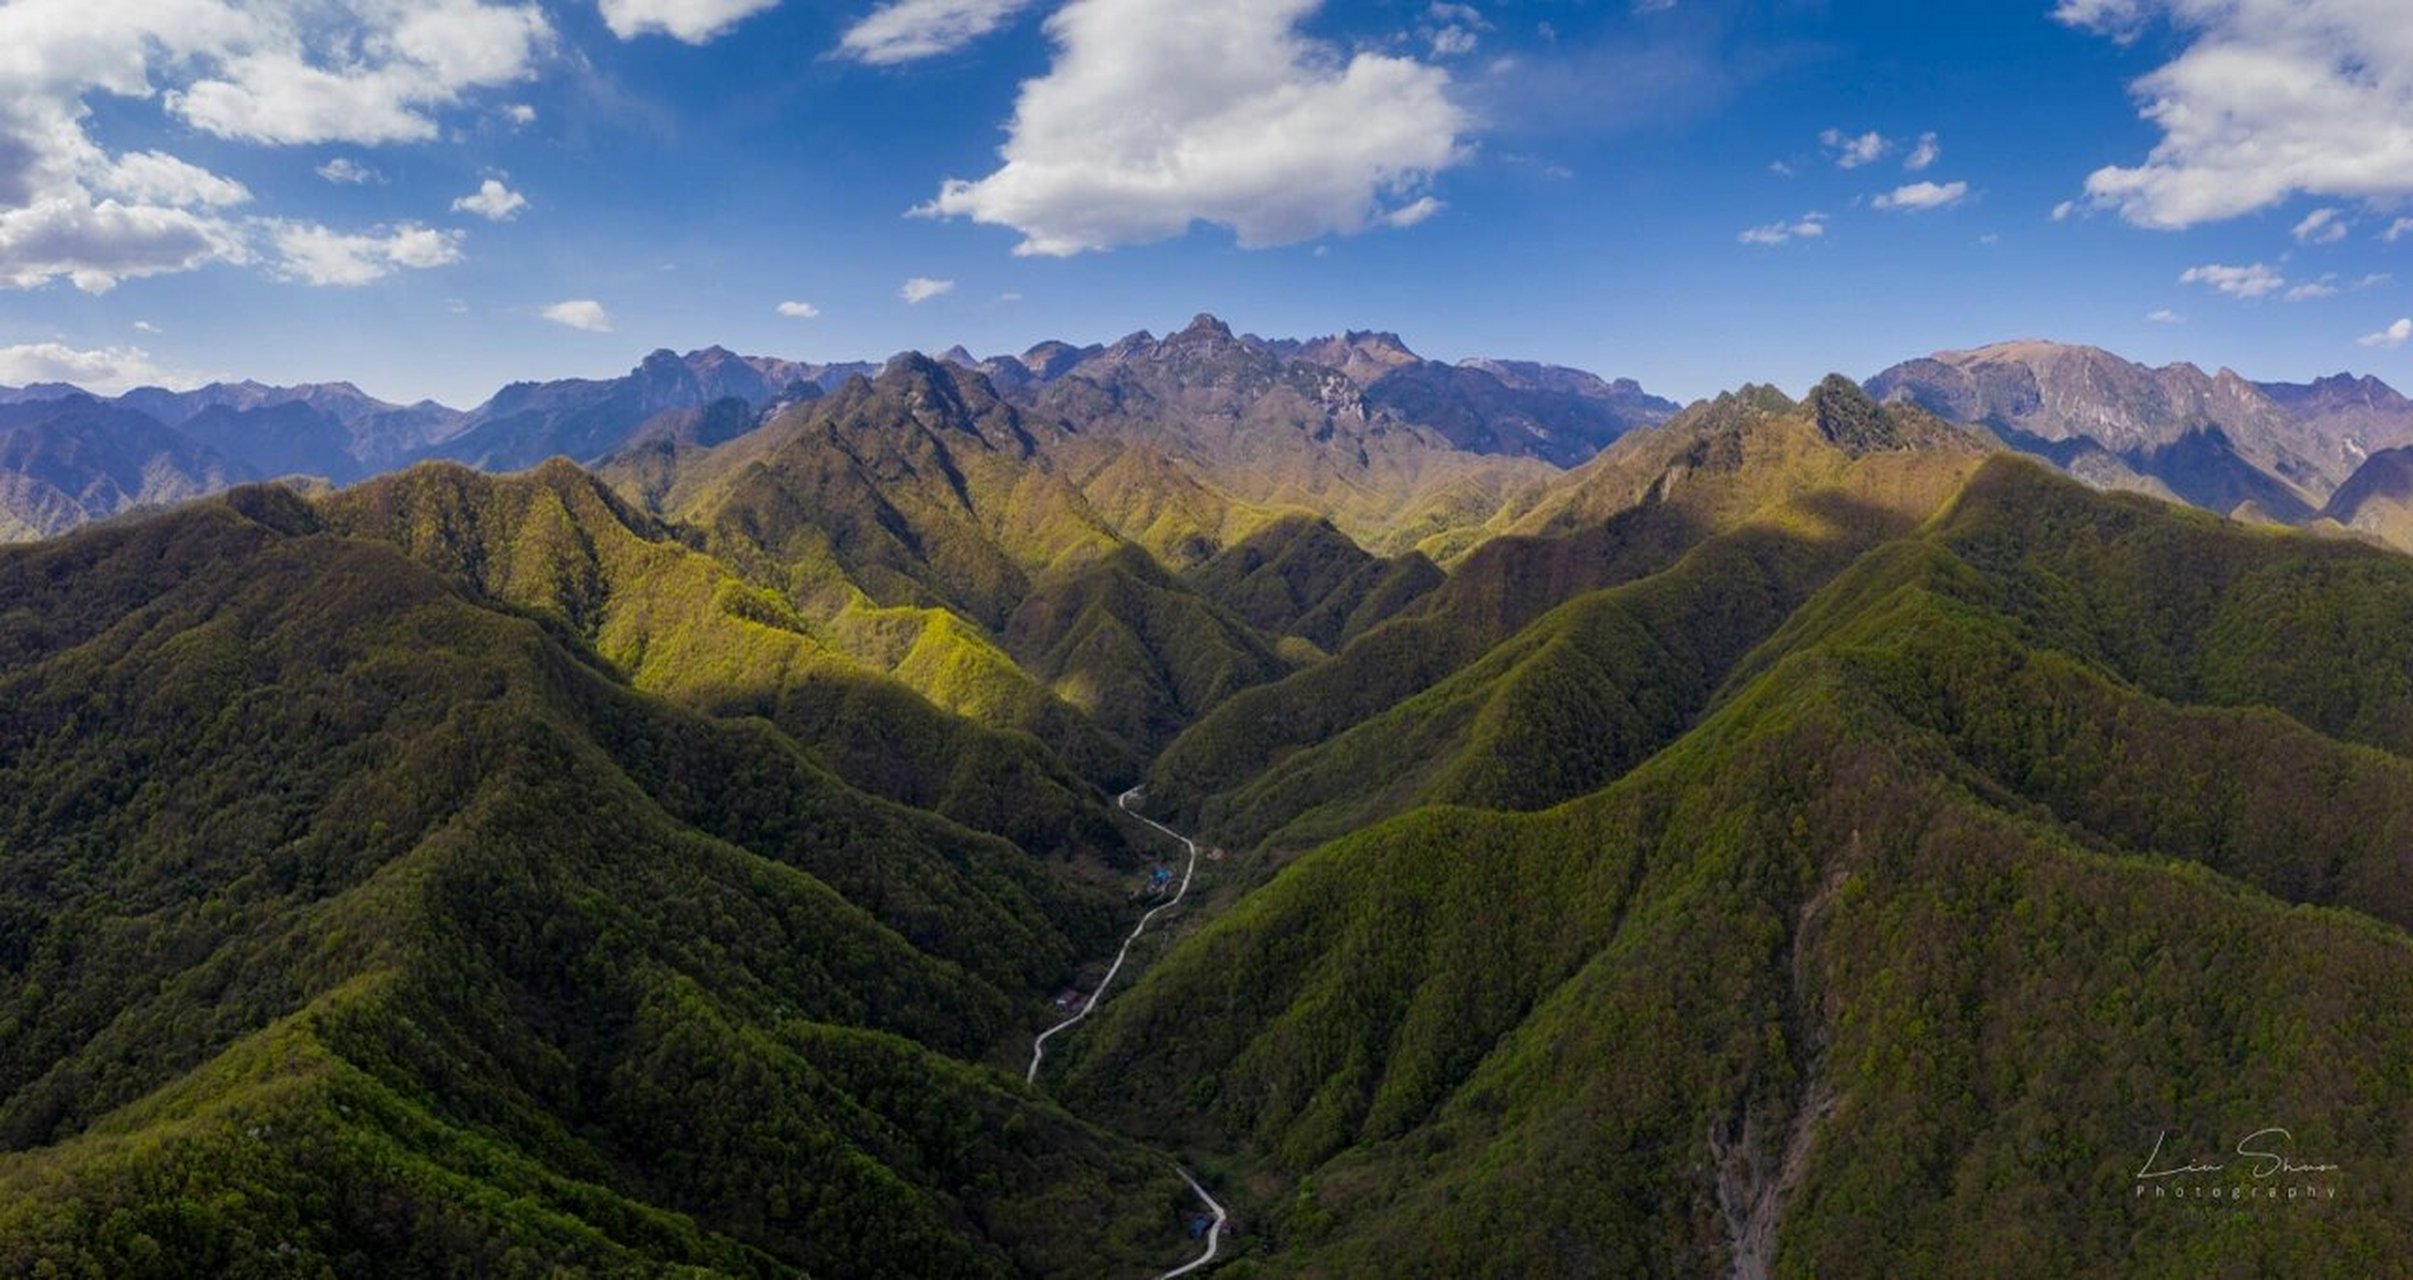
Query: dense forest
point(1802, 840)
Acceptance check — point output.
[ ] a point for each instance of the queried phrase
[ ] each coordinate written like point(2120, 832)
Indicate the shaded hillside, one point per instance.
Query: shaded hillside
point(1837, 468)
point(1302, 577)
point(1127, 643)
point(1985, 872)
point(383, 934)
point(2378, 499)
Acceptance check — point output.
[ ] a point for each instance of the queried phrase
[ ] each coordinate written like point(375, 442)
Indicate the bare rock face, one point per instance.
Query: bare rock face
point(2214, 439)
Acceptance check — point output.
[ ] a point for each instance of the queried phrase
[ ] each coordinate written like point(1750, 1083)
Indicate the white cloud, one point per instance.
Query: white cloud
point(96, 244)
point(2267, 99)
point(492, 201)
point(1926, 153)
point(320, 71)
point(2312, 290)
point(580, 313)
point(346, 171)
point(1417, 211)
point(2166, 316)
point(364, 72)
point(307, 253)
point(1157, 114)
point(921, 289)
point(799, 310)
point(1780, 168)
point(109, 371)
point(520, 114)
point(1852, 152)
point(2398, 230)
point(1919, 197)
point(145, 326)
point(1810, 227)
point(155, 177)
point(2322, 226)
point(693, 21)
point(906, 30)
point(2395, 335)
point(2065, 210)
point(2238, 282)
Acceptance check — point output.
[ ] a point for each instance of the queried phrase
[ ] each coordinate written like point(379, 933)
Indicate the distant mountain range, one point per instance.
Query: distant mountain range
point(1356, 425)
point(2280, 451)
point(1200, 390)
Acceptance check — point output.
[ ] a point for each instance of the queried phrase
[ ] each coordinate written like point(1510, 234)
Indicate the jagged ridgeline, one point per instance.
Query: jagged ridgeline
point(1791, 838)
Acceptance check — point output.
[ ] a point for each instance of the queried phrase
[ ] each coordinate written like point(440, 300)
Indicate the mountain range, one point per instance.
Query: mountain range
point(645, 833)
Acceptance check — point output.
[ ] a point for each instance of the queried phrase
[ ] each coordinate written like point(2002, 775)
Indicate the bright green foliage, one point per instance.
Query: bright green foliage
point(1124, 641)
point(1966, 889)
point(353, 925)
point(680, 624)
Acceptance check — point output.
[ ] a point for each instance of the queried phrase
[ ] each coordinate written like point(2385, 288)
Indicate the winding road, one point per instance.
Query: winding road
point(1214, 1235)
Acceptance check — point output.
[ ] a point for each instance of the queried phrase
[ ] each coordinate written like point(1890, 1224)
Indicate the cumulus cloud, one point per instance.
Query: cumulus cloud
point(2238, 282)
point(580, 313)
point(2166, 316)
point(1851, 152)
point(799, 310)
point(492, 201)
point(693, 21)
point(108, 371)
point(906, 30)
point(2311, 290)
point(346, 171)
point(1157, 114)
point(2266, 100)
point(2322, 226)
point(155, 177)
point(1810, 227)
point(921, 289)
point(1926, 153)
point(1919, 197)
point(374, 74)
point(2398, 230)
point(307, 253)
point(96, 244)
point(361, 71)
point(2395, 335)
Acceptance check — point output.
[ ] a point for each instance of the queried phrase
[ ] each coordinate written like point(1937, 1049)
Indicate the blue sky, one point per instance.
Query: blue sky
point(433, 197)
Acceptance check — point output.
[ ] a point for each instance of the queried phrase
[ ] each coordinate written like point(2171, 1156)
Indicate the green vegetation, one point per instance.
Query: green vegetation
point(1927, 929)
point(353, 925)
point(1797, 837)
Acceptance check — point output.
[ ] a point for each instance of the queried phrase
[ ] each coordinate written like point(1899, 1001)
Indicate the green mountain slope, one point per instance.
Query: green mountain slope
point(1974, 882)
point(680, 624)
point(1793, 490)
point(385, 931)
point(1301, 576)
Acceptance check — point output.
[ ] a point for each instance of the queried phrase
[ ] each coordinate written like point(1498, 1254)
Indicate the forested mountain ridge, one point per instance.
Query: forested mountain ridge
point(1802, 838)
